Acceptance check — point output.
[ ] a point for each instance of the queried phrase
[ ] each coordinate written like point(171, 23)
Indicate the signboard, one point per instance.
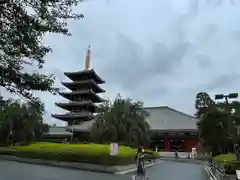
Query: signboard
point(114, 149)
point(193, 153)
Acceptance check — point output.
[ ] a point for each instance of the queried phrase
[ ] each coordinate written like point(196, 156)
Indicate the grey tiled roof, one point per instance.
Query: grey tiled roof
point(160, 118)
point(165, 118)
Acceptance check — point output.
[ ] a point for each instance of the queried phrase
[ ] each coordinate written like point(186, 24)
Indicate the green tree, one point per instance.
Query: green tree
point(213, 129)
point(123, 121)
point(203, 103)
point(22, 122)
point(217, 127)
point(23, 25)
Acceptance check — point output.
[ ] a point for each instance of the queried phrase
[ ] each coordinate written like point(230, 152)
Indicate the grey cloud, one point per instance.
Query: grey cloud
point(214, 3)
point(166, 60)
point(209, 31)
point(236, 35)
point(223, 81)
point(134, 67)
point(191, 13)
point(194, 8)
point(203, 61)
point(145, 73)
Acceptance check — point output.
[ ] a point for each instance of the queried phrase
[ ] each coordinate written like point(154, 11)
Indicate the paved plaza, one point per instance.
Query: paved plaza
point(10, 170)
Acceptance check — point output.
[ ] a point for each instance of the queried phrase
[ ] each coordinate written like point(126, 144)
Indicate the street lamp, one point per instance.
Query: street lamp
point(226, 97)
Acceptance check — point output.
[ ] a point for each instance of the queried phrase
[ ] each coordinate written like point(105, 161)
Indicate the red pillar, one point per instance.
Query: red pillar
point(166, 143)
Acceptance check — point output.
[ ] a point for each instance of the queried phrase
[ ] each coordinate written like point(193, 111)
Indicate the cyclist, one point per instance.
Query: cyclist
point(140, 164)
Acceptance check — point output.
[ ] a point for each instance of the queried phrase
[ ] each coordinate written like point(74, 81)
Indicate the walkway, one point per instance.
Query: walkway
point(169, 170)
point(10, 170)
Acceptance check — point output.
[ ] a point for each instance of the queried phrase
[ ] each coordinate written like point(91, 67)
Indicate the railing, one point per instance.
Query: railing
point(221, 167)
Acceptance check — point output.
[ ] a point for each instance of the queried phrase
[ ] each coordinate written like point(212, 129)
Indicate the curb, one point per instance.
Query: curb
point(79, 166)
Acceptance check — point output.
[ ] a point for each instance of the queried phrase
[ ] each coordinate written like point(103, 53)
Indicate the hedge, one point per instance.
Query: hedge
point(87, 153)
point(228, 161)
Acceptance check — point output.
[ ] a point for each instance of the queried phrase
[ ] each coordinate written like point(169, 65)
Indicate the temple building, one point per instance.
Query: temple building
point(81, 98)
point(171, 130)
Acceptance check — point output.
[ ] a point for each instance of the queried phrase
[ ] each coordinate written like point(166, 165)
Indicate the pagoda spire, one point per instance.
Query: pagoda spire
point(87, 59)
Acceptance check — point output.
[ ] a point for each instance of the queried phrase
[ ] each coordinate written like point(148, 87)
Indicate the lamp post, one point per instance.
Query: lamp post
point(230, 111)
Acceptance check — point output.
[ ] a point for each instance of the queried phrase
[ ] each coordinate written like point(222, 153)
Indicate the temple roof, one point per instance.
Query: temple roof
point(84, 75)
point(73, 104)
point(166, 118)
point(89, 94)
point(161, 118)
point(74, 116)
point(91, 84)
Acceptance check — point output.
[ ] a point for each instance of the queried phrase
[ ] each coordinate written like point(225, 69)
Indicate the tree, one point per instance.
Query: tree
point(203, 103)
point(21, 122)
point(213, 129)
point(23, 25)
point(123, 121)
point(217, 127)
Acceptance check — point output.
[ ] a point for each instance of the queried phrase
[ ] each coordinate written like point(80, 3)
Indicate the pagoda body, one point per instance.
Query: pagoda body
point(83, 96)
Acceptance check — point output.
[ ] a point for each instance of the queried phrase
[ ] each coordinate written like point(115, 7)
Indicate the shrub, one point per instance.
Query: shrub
point(87, 153)
point(225, 158)
point(228, 161)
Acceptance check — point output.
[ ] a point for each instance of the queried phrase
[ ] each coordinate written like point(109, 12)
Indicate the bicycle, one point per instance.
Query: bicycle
point(141, 171)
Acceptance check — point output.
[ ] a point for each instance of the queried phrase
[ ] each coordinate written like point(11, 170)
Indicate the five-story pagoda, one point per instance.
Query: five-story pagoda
point(82, 97)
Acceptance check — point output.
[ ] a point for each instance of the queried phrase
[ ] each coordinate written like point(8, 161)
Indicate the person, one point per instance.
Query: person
point(140, 164)
point(176, 154)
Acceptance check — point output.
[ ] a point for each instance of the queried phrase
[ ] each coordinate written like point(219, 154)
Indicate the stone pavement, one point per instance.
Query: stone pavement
point(10, 170)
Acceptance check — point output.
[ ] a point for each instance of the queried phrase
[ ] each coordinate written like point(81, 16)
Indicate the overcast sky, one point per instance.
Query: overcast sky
point(162, 52)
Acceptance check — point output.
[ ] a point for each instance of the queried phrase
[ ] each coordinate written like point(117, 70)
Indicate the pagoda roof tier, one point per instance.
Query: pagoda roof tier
point(84, 75)
point(89, 94)
point(83, 116)
point(75, 104)
point(91, 84)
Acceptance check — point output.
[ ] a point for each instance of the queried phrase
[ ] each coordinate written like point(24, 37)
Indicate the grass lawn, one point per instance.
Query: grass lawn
point(88, 153)
point(229, 162)
point(87, 149)
point(228, 158)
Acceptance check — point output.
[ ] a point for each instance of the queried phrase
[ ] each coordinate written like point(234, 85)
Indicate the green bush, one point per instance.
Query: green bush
point(228, 161)
point(225, 158)
point(87, 153)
